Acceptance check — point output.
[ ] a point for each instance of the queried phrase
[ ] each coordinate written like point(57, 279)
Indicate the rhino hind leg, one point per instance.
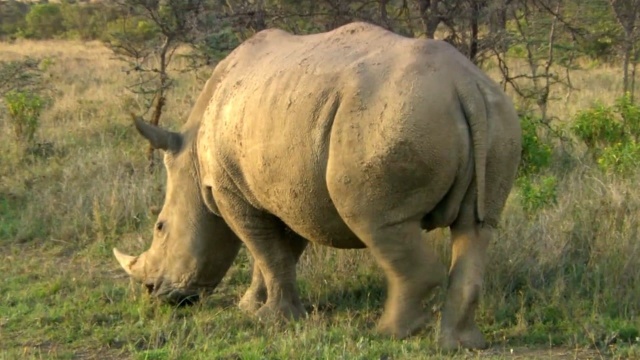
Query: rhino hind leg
point(412, 271)
point(458, 326)
point(256, 295)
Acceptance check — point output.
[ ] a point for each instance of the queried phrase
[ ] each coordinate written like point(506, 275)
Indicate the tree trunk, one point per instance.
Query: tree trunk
point(384, 18)
point(473, 42)
point(429, 16)
point(160, 98)
point(497, 16)
point(626, 12)
point(634, 66)
point(627, 60)
point(155, 120)
point(498, 24)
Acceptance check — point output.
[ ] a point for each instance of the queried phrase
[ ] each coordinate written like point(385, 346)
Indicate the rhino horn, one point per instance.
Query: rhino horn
point(158, 137)
point(133, 265)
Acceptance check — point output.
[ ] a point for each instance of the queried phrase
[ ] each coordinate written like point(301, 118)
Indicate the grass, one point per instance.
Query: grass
point(563, 282)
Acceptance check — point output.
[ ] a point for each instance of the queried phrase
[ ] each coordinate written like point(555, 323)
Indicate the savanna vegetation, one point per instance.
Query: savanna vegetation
point(76, 180)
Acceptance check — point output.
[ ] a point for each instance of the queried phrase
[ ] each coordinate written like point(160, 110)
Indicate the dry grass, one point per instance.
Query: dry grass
point(564, 282)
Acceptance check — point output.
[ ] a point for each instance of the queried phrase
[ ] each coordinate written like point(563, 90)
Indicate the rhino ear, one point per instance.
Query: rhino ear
point(159, 138)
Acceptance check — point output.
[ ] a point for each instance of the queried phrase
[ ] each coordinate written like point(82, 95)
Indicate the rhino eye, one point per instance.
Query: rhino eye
point(159, 225)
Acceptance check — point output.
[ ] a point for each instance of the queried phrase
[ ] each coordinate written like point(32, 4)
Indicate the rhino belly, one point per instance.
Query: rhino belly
point(311, 214)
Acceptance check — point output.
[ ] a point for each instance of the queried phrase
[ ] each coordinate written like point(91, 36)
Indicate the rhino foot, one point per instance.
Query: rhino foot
point(401, 328)
point(471, 339)
point(282, 310)
point(252, 301)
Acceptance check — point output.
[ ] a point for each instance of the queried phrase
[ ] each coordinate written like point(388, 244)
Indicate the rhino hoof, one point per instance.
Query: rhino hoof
point(280, 311)
point(399, 329)
point(472, 339)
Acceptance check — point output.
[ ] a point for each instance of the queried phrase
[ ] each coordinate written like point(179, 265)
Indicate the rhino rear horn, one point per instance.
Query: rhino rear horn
point(158, 138)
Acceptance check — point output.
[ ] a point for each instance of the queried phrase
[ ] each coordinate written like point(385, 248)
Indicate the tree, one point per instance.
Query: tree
point(626, 12)
point(146, 38)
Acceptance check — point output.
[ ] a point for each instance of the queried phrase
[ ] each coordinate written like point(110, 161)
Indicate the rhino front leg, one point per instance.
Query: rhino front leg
point(458, 326)
point(256, 295)
point(266, 238)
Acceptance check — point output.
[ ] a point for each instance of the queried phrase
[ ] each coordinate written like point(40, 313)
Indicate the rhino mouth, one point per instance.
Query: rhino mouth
point(173, 296)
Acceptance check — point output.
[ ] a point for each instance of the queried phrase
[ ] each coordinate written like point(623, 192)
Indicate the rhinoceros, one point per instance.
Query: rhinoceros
point(352, 138)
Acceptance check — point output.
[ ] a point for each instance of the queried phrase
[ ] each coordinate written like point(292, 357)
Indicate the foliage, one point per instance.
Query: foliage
point(13, 17)
point(622, 157)
point(45, 21)
point(604, 34)
point(629, 114)
point(598, 127)
point(133, 31)
point(611, 134)
point(23, 92)
point(537, 192)
point(214, 46)
point(24, 110)
point(87, 21)
point(536, 153)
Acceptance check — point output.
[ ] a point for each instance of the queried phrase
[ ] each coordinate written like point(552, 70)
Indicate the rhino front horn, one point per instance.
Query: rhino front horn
point(129, 263)
point(158, 137)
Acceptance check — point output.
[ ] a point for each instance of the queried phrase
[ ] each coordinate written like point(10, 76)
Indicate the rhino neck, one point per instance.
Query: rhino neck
point(206, 195)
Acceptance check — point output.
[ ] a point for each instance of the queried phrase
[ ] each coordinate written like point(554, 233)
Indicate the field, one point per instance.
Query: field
point(563, 282)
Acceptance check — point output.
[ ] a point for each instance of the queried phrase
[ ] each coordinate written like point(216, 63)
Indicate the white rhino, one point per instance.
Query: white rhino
point(353, 138)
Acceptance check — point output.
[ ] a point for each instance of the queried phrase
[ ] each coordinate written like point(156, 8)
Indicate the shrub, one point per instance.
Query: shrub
point(536, 153)
point(45, 21)
point(13, 16)
point(24, 114)
point(629, 114)
point(537, 192)
point(598, 127)
point(622, 158)
point(611, 134)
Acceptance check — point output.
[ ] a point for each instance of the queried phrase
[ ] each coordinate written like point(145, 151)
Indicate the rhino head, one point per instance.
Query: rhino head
point(192, 248)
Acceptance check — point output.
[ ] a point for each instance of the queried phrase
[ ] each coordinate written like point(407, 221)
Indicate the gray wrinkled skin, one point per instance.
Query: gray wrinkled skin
point(352, 138)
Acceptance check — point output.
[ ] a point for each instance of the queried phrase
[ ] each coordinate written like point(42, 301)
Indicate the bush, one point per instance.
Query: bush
point(598, 127)
point(13, 16)
point(630, 116)
point(45, 21)
point(537, 192)
point(536, 153)
point(622, 158)
point(24, 114)
point(84, 21)
point(611, 134)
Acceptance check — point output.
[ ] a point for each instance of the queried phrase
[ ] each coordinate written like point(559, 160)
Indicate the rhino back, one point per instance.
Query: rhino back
point(292, 114)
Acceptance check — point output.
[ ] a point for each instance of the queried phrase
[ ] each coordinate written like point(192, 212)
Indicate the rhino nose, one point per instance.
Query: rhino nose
point(186, 299)
point(171, 295)
point(149, 287)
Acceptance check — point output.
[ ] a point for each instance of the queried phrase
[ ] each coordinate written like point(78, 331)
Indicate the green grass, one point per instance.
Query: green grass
point(56, 304)
point(562, 282)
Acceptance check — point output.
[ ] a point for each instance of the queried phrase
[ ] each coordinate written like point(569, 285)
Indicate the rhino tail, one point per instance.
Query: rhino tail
point(475, 110)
